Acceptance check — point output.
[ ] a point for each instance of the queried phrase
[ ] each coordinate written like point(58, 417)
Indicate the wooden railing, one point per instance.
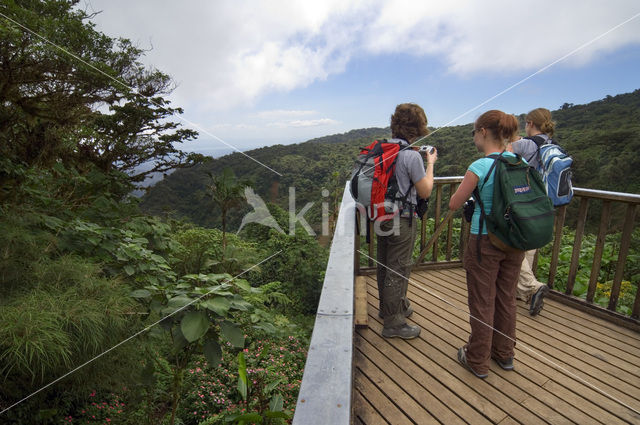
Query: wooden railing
point(431, 238)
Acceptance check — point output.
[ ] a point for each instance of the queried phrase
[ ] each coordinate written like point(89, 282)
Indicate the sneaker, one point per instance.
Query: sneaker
point(505, 364)
point(407, 313)
point(537, 300)
point(405, 332)
point(462, 359)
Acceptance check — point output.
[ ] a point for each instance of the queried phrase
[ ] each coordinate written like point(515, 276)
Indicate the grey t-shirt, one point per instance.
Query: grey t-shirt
point(409, 168)
point(528, 149)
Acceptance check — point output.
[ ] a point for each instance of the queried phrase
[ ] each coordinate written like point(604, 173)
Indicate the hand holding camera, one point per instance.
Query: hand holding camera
point(431, 153)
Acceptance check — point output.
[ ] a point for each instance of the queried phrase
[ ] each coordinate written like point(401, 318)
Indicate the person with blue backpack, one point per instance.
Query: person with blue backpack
point(554, 165)
point(510, 206)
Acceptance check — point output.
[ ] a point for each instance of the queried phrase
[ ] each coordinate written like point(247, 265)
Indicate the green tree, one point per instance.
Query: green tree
point(101, 107)
point(226, 192)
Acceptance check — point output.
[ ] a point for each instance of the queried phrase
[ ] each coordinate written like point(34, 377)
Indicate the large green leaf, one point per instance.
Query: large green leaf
point(276, 404)
point(194, 325)
point(179, 301)
point(245, 418)
point(219, 305)
point(232, 333)
point(212, 352)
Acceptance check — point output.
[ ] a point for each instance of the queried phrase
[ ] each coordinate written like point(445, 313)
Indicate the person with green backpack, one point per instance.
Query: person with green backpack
point(512, 214)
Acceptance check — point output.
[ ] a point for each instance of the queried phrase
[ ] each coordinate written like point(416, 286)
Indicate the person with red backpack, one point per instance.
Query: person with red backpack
point(391, 197)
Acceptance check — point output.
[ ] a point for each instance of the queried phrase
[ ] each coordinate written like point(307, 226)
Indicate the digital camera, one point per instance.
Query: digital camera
point(427, 148)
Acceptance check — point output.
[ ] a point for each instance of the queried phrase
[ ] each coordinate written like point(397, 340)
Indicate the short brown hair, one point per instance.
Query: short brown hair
point(408, 122)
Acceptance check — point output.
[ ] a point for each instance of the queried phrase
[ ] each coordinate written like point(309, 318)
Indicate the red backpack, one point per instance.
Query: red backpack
point(373, 179)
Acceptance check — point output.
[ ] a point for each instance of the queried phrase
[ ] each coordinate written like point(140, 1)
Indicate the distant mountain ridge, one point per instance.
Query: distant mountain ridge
point(602, 136)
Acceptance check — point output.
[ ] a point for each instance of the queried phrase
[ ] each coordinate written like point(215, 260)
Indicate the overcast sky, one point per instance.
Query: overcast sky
point(259, 73)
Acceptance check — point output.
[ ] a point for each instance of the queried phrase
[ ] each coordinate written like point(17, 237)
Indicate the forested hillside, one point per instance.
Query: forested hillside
point(603, 137)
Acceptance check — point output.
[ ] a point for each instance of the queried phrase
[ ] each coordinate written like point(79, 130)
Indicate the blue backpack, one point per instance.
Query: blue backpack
point(555, 169)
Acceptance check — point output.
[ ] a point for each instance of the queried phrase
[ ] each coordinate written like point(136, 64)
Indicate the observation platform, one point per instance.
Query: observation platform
point(576, 362)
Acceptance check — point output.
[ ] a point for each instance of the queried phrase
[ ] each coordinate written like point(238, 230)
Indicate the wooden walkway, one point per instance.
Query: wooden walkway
point(420, 381)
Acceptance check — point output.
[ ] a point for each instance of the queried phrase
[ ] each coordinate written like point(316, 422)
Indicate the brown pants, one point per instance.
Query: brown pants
point(492, 300)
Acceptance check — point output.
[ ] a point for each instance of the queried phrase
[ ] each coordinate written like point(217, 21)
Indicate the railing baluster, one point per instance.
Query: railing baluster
point(372, 238)
point(635, 313)
point(437, 218)
point(577, 244)
point(452, 189)
point(553, 266)
point(625, 243)
point(423, 231)
point(597, 254)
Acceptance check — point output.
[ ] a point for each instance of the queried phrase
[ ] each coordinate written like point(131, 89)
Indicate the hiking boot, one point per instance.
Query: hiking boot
point(505, 364)
point(407, 313)
point(462, 359)
point(405, 332)
point(537, 300)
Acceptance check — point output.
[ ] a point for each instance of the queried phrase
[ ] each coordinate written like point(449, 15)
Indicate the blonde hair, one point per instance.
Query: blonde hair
point(541, 118)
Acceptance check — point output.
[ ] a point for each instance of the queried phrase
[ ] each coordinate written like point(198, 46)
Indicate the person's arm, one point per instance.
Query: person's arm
point(469, 183)
point(424, 186)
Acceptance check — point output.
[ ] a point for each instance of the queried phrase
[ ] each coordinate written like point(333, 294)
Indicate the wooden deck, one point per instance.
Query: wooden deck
point(421, 382)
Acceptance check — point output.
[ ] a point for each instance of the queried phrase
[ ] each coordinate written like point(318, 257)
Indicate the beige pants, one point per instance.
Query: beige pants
point(527, 282)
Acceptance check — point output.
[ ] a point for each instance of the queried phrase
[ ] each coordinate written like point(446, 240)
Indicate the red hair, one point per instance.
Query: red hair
point(502, 126)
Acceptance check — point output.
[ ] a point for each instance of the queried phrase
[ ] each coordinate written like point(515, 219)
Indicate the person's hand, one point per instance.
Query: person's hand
point(432, 157)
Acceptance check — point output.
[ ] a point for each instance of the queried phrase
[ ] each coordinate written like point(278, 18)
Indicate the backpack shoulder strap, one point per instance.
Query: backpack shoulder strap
point(476, 195)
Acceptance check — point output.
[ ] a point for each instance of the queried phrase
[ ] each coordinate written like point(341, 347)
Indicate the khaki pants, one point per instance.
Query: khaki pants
point(492, 302)
point(395, 251)
point(527, 282)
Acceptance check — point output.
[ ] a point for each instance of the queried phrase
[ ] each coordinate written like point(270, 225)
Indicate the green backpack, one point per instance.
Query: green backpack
point(522, 214)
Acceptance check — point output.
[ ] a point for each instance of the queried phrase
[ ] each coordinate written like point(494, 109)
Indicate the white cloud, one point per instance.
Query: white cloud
point(303, 123)
point(225, 54)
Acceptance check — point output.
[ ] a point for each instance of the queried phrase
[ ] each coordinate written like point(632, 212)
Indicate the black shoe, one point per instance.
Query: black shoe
point(405, 332)
point(407, 313)
point(505, 364)
point(537, 300)
point(462, 359)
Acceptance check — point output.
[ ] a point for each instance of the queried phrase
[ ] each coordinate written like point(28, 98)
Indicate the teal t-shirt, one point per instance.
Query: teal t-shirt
point(480, 168)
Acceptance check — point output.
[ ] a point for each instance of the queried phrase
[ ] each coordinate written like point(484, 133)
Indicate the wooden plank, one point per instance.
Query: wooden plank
point(596, 368)
point(496, 388)
point(361, 316)
point(379, 406)
point(393, 391)
point(325, 391)
point(597, 254)
point(608, 404)
point(411, 372)
point(561, 327)
point(610, 382)
point(394, 368)
point(557, 241)
point(625, 243)
point(628, 198)
point(577, 245)
point(436, 221)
